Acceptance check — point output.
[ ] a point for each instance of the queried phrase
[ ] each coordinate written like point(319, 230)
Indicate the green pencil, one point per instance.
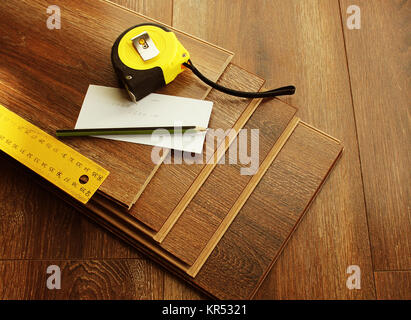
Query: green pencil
point(123, 131)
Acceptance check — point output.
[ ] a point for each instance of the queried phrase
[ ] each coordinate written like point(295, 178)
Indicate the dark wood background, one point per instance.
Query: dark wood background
point(353, 84)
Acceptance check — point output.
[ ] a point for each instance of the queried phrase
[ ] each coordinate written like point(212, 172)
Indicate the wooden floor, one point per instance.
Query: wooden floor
point(353, 84)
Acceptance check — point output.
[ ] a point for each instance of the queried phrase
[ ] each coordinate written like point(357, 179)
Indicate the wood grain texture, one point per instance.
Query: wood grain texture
point(175, 288)
point(36, 224)
point(161, 10)
point(97, 281)
point(256, 237)
point(45, 73)
point(81, 279)
point(213, 201)
point(309, 50)
point(271, 119)
point(246, 252)
point(206, 171)
point(275, 109)
point(301, 43)
point(393, 285)
point(379, 63)
point(230, 272)
point(171, 181)
point(242, 198)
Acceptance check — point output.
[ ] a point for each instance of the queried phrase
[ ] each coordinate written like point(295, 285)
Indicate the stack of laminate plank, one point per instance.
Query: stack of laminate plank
point(214, 227)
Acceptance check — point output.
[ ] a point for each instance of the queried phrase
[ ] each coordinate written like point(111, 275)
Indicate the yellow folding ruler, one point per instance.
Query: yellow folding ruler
point(50, 158)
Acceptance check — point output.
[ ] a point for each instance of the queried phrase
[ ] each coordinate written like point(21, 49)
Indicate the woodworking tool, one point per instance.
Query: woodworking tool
point(50, 158)
point(148, 56)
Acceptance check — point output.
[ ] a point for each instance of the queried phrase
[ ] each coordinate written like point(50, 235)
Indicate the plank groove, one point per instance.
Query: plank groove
point(267, 219)
point(283, 191)
point(219, 192)
point(378, 58)
point(240, 201)
point(301, 43)
point(157, 202)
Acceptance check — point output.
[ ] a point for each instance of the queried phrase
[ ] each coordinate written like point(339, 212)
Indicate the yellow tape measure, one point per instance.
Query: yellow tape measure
point(50, 158)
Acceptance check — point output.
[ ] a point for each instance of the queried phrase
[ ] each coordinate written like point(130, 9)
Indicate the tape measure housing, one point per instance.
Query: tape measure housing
point(141, 77)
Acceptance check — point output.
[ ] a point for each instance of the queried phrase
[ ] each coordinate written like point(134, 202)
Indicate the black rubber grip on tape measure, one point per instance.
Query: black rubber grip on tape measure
point(139, 82)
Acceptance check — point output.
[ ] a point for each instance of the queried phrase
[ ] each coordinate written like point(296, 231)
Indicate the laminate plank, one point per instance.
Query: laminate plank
point(81, 279)
point(378, 58)
point(261, 116)
point(212, 203)
point(101, 211)
point(172, 181)
point(245, 254)
point(90, 249)
point(393, 285)
point(247, 250)
point(161, 10)
point(271, 119)
point(301, 43)
point(231, 215)
point(58, 65)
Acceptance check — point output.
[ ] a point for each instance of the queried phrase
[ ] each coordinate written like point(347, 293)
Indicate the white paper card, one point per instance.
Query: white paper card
point(105, 107)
